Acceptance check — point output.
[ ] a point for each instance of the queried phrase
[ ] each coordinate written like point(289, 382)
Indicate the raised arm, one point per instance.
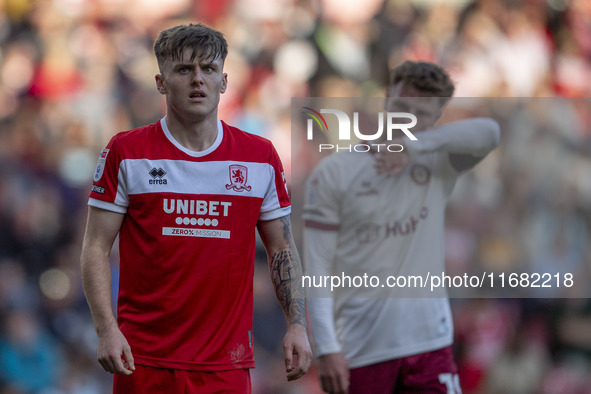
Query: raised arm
point(466, 141)
point(102, 227)
point(286, 274)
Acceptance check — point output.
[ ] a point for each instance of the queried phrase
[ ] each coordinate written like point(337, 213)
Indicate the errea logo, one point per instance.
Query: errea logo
point(157, 175)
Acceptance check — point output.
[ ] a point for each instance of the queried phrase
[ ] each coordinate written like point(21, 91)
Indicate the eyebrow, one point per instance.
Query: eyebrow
point(182, 65)
point(206, 63)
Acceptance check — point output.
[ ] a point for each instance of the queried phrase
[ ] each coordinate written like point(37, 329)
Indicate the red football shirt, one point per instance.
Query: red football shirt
point(187, 241)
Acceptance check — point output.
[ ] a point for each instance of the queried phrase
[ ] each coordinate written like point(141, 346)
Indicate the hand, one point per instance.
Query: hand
point(298, 355)
point(334, 373)
point(111, 347)
point(391, 163)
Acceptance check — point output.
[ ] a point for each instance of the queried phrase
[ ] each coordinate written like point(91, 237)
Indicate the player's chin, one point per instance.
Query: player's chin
point(197, 113)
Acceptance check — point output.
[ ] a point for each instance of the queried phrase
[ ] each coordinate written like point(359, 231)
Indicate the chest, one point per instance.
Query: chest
point(381, 197)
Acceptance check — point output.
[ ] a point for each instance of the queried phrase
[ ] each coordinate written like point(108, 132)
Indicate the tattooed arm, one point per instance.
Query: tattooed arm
point(285, 268)
point(286, 274)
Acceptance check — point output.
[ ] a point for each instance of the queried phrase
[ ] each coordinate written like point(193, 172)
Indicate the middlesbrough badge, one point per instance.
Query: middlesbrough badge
point(238, 178)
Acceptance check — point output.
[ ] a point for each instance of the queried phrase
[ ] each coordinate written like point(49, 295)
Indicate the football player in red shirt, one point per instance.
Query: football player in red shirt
point(185, 195)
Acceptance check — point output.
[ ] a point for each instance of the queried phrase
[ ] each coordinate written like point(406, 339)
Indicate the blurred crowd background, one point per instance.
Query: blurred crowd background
point(75, 72)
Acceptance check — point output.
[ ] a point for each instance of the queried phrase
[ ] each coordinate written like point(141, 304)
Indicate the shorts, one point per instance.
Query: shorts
point(430, 372)
point(177, 381)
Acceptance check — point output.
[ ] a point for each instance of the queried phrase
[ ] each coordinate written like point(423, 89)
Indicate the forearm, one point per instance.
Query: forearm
point(322, 324)
point(96, 282)
point(319, 251)
point(475, 137)
point(286, 274)
point(101, 230)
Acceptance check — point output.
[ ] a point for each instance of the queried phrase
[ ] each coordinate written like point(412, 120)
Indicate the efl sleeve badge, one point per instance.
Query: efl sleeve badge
point(100, 166)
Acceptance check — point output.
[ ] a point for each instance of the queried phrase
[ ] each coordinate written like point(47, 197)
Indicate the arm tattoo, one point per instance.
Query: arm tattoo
point(286, 273)
point(286, 223)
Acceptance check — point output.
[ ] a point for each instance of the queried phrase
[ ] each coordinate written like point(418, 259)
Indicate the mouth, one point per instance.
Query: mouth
point(195, 94)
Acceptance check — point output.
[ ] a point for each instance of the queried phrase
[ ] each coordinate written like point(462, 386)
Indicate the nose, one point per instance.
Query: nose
point(197, 77)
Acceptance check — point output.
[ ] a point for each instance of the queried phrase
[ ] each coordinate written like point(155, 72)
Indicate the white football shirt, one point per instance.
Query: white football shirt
point(386, 226)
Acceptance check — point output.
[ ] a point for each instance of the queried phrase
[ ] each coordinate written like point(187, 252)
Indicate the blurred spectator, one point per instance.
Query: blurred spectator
point(30, 360)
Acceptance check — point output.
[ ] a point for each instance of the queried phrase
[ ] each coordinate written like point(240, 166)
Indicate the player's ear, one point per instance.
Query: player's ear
point(160, 84)
point(224, 83)
point(388, 90)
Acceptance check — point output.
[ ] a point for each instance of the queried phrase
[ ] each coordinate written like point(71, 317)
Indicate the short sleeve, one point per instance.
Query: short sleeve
point(108, 187)
point(322, 203)
point(276, 203)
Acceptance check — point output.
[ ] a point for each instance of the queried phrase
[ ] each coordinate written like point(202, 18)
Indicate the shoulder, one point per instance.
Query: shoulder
point(135, 135)
point(345, 163)
point(247, 146)
point(252, 140)
point(337, 171)
point(137, 142)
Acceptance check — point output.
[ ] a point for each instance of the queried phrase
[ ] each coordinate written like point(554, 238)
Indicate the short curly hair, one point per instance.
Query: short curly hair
point(426, 77)
point(206, 43)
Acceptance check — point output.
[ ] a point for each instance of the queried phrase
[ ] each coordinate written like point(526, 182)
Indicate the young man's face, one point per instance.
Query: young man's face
point(404, 97)
point(192, 88)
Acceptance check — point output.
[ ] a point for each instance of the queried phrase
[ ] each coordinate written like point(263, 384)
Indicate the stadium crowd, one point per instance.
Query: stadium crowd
point(73, 72)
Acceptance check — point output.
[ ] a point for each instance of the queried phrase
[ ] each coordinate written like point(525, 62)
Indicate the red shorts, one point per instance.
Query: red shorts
point(177, 381)
point(431, 372)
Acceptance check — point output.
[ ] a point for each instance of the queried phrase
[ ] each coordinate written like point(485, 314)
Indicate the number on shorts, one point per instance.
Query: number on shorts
point(451, 382)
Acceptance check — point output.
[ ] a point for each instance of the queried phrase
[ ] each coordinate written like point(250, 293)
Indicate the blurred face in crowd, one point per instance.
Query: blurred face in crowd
point(192, 87)
point(405, 97)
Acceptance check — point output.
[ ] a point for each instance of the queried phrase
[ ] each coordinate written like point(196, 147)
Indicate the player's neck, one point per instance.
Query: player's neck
point(195, 135)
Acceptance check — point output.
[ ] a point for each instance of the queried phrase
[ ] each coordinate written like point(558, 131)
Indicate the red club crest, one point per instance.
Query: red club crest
point(238, 178)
